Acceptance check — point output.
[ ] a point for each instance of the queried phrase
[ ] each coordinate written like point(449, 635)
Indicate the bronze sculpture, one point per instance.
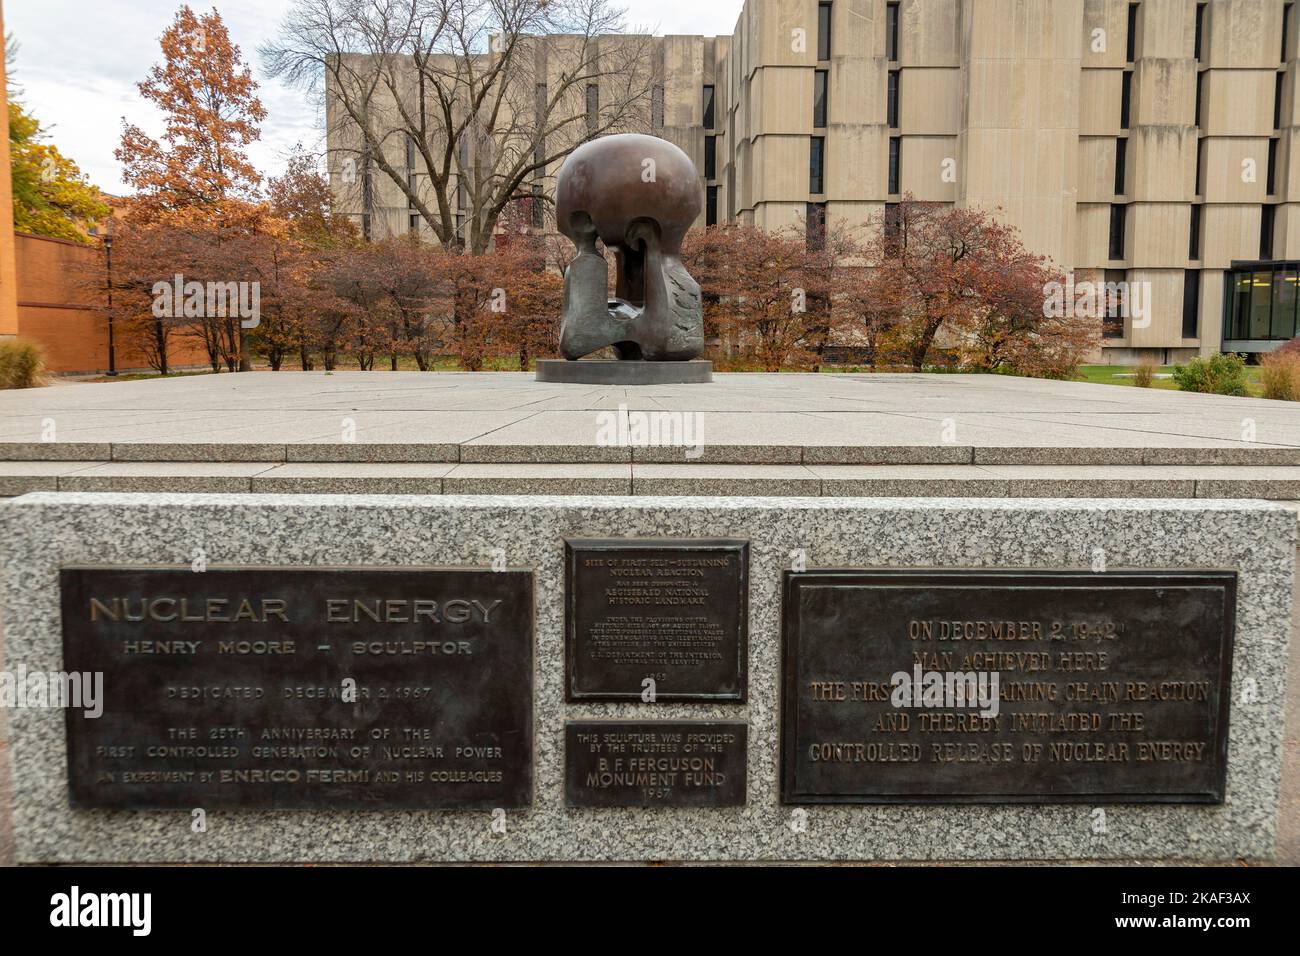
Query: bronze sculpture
point(638, 195)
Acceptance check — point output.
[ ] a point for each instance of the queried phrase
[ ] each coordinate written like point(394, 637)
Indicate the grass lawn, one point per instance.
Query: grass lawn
point(1123, 375)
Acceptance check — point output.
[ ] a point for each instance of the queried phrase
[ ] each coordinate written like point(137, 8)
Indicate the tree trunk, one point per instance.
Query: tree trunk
point(160, 338)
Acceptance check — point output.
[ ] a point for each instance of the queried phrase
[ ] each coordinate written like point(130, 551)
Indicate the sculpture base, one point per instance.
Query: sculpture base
point(602, 372)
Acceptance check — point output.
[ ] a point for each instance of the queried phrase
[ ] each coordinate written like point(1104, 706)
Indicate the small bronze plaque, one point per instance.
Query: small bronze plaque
point(1006, 686)
point(656, 619)
point(655, 763)
point(290, 688)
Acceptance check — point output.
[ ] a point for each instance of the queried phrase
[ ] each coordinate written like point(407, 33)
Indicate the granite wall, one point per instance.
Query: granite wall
point(41, 532)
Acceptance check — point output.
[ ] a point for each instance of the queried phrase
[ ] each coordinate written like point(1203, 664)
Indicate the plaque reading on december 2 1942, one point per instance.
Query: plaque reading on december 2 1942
point(655, 763)
point(289, 688)
point(973, 686)
point(667, 614)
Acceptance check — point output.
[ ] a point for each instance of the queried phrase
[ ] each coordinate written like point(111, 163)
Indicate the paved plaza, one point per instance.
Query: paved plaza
point(781, 434)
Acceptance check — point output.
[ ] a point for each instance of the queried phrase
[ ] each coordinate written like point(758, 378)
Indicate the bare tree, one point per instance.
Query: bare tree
point(464, 105)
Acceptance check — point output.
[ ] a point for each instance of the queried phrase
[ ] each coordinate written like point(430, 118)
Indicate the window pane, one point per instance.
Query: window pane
point(1132, 32)
point(1191, 304)
point(819, 98)
point(815, 164)
point(1241, 290)
point(1112, 325)
point(823, 31)
point(1284, 298)
point(1117, 232)
point(891, 31)
point(1261, 305)
point(593, 108)
point(815, 225)
point(708, 107)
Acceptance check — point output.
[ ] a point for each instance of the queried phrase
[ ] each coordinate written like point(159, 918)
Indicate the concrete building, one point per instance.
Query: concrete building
point(1150, 143)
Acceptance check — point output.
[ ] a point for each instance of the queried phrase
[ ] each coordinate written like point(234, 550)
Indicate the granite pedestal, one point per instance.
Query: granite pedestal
point(43, 532)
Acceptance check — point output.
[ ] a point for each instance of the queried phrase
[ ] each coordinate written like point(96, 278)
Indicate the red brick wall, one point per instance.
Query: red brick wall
point(53, 310)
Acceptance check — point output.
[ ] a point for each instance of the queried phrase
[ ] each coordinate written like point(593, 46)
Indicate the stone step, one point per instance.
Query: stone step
point(709, 454)
point(1278, 483)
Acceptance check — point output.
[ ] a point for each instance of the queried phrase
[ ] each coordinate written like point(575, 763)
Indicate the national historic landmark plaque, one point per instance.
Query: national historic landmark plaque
point(657, 619)
point(290, 688)
point(970, 686)
point(655, 763)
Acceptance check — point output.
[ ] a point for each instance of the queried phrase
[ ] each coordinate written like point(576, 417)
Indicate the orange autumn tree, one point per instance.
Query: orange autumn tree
point(211, 112)
point(960, 277)
point(762, 291)
point(197, 177)
point(314, 241)
point(301, 197)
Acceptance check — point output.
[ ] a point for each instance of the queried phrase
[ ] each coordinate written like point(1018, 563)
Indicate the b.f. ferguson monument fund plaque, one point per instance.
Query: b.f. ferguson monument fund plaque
point(971, 686)
point(655, 763)
point(288, 688)
point(656, 619)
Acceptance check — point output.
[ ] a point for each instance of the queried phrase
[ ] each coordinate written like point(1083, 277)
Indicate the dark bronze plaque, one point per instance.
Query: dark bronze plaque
point(288, 688)
point(654, 763)
point(1006, 686)
point(662, 614)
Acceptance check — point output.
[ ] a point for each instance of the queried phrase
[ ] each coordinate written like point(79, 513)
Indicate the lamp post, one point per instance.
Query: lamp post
point(108, 259)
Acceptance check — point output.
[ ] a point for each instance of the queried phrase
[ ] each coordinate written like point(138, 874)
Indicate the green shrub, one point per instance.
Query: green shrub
point(22, 364)
point(1145, 374)
point(1217, 375)
point(1279, 373)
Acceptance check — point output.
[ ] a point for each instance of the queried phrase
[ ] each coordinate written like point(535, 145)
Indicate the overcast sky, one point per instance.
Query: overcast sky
point(79, 62)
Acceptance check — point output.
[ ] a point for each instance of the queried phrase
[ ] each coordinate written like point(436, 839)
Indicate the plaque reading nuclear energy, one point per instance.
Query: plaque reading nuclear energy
point(657, 619)
point(654, 763)
point(289, 688)
point(1006, 686)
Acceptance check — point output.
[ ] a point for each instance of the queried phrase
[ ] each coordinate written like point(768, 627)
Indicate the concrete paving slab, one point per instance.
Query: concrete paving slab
point(1095, 481)
point(907, 481)
point(535, 479)
point(197, 451)
point(200, 477)
point(708, 480)
point(352, 479)
point(1275, 484)
point(1241, 454)
point(55, 451)
point(887, 454)
point(370, 452)
point(20, 477)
